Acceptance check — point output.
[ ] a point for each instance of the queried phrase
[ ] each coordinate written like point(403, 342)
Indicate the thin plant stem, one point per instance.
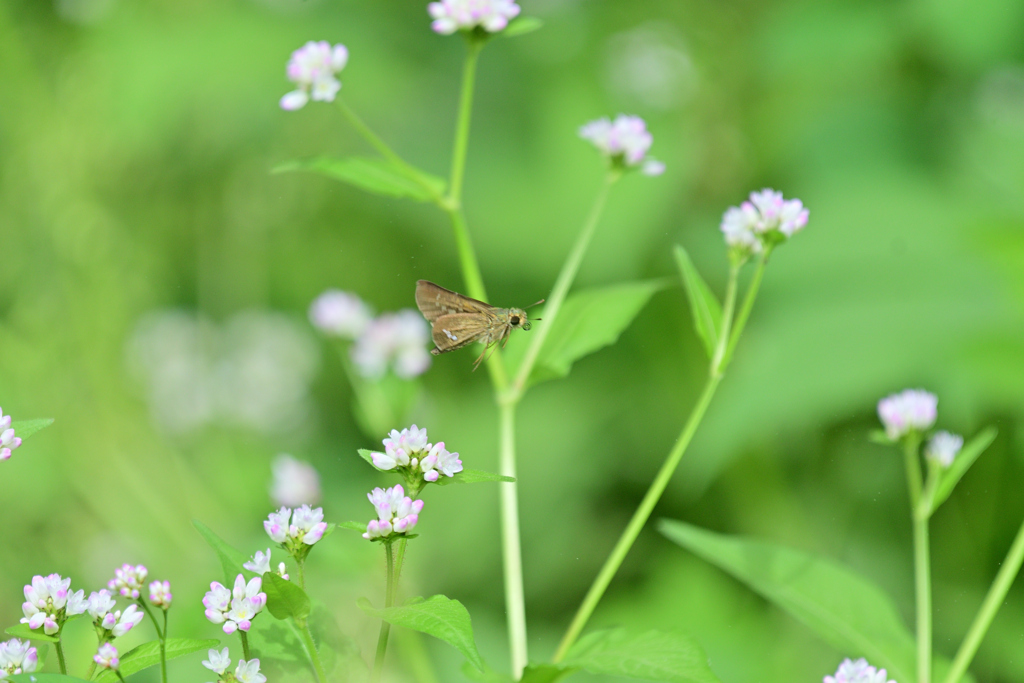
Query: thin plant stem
point(748, 305)
point(718, 358)
point(161, 634)
point(473, 46)
point(302, 574)
point(314, 656)
point(993, 601)
point(515, 602)
point(245, 645)
point(399, 561)
point(60, 655)
point(562, 284)
point(922, 562)
point(385, 627)
point(657, 488)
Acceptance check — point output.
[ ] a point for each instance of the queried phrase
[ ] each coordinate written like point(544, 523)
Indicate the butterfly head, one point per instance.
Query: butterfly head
point(517, 318)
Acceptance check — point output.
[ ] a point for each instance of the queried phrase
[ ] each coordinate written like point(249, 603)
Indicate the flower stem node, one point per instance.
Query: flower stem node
point(477, 16)
point(49, 602)
point(409, 453)
point(397, 514)
point(624, 142)
point(296, 530)
point(17, 657)
point(235, 608)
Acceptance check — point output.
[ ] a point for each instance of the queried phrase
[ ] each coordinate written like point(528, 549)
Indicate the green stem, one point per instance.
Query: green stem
point(993, 601)
point(748, 305)
point(562, 284)
point(515, 603)
point(302, 574)
point(400, 559)
point(473, 47)
point(717, 366)
point(385, 627)
point(922, 569)
point(60, 656)
point(163, 651)
point(245, 646)
point(314, 656)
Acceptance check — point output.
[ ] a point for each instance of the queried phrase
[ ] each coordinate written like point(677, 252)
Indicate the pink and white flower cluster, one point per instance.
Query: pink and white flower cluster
point(410, 449)
point(944, 447)
point(340, 314)
point(305, 525)
point(129, 581)
point(8, 441)
point(910, 410)
point(106, 657)
point(465, 15)
point(312, 68)
point(160, 594)
point(245, 672)
point(260, 564)
point(624, 141)
point(101, 608)
point(49, 602)
point(17, 657)
point(858, 672)
point(235, 608)
point(766, 216)
point(396, 513)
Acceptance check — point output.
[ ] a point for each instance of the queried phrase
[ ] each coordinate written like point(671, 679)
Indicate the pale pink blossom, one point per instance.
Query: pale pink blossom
point(49, 601)
point(393, 340)
point(235, 608)
point(625, 141)
point(313, 68)
point(218, 662)
point(462, 15)
point(129, 581)
point(944, 447)
point(340, 314)
point(396, 512)
point(909, 410)
point(249, 672)
point(858, 672)
point(160, 594)
point(8, 440)
point(17, 657)
point(303, 525)
point(106, 657)
point(439, 461)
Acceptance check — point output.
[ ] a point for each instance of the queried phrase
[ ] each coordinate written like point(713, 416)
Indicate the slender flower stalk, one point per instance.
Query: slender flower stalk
point(922, 563)
point(385, 627)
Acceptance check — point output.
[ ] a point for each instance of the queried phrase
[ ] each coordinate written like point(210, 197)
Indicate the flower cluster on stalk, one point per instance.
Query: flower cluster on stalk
point(858, 671)
point(8, 440)
point(245, 672)
point(109, 623)
point(17, 657)
point(312, 68)
point(160, 594)
point(409, 453)
point(397, 513)
point(49, 602)
point(296, 530)
point(765, 220)
point(106, 657)
point(129, 581)
point(235, 608)
point(624, 142)
point(489, 16)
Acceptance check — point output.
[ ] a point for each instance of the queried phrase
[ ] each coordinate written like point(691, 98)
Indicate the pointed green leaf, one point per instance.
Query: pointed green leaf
point(653, 656)
point(961, 463)
point(707, 312)
point(522, 26)
point(230, 559)
point(546, 673)
point(473, 477)
point(148, 654)
point(26, 428)
point(42, 678)
point(438, 616)
point(25, 633)
point(378, 176)
point(353, 526)
point(843, 608)
point(285, 599)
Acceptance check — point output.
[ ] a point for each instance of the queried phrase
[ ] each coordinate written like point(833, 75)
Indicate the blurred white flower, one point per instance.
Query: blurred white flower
point(440, 461)
point(127, 620)
point(106, 657)
point(766, 218)
point(99, 606)
point(857, 672)
point(249, 672)
point(128, 581)
point(650, 64)
point(17, 657)
point(218, 662)
point(341, 314)
point(396, 340)
point(160, 594)
point(305, 525)
point(911, 409)
point(396, 512)
point(295, 482)
point(624, 142)
point(312, 68)
point(462, 15)
point(260, 564)
point(944, 447)
point(8, 440)
point(738, 228)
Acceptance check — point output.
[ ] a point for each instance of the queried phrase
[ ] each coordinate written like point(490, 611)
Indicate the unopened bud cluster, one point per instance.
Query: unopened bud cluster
point(409, 453)
point(763, 221)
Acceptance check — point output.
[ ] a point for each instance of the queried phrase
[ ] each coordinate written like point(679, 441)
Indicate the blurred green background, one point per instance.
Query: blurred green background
point(135, 143)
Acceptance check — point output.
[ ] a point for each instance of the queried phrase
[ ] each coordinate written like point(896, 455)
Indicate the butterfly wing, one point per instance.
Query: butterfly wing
point(435, 301)
point(455, 330)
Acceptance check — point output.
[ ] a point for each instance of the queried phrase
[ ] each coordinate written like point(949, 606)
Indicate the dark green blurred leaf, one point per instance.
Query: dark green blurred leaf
point(230, 559)
point(338, 652)
point(368, 457)
point(353, 526)
point(148, 654)
point(378, 176)
point(522, 26)
point(845, 609)
point(437, 616)
point(961, 463)
point(707, 312)
point(42, 678)
point(546, 673)
point(879, 436)
point(26, 428)
point(24, 632)
point(473, 477)
point(654, 656)
point(284, 598)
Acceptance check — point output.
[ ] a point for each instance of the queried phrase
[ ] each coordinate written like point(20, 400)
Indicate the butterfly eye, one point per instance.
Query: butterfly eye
point(514, 320)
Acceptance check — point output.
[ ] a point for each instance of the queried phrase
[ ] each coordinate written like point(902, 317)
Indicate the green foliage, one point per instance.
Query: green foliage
point(951, 476)
point(468, 476)
point(843, 608)
point(231, 560)
point(653, 656)
point(23, 631)
point(707, 312)
point(26, 428)
point(353, 526)
point(522, 26)
point(378, 176)
point(285, 599)
point(148, 654)
point(367, 455)
point(437, 616)
point(43, 678)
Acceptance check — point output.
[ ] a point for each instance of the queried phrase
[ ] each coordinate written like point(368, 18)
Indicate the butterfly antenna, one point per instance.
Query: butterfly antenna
point(536, 304)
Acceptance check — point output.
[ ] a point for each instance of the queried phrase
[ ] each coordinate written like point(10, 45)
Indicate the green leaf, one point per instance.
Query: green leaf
point(284, 598)
point(148, 654)
point(438, 616)
point(879, 436)
point(26, 428)
point(230, 559)
point(473, 477)
point(961, 463)
point(353, 526)
point(654, 656)
point(522, 26)
point(42, 678)
point(378, 176)
point(24, 632)
point(546, 673)
point(367, 455)
point(707, 312)
point(589, 320)
point(843, 608)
